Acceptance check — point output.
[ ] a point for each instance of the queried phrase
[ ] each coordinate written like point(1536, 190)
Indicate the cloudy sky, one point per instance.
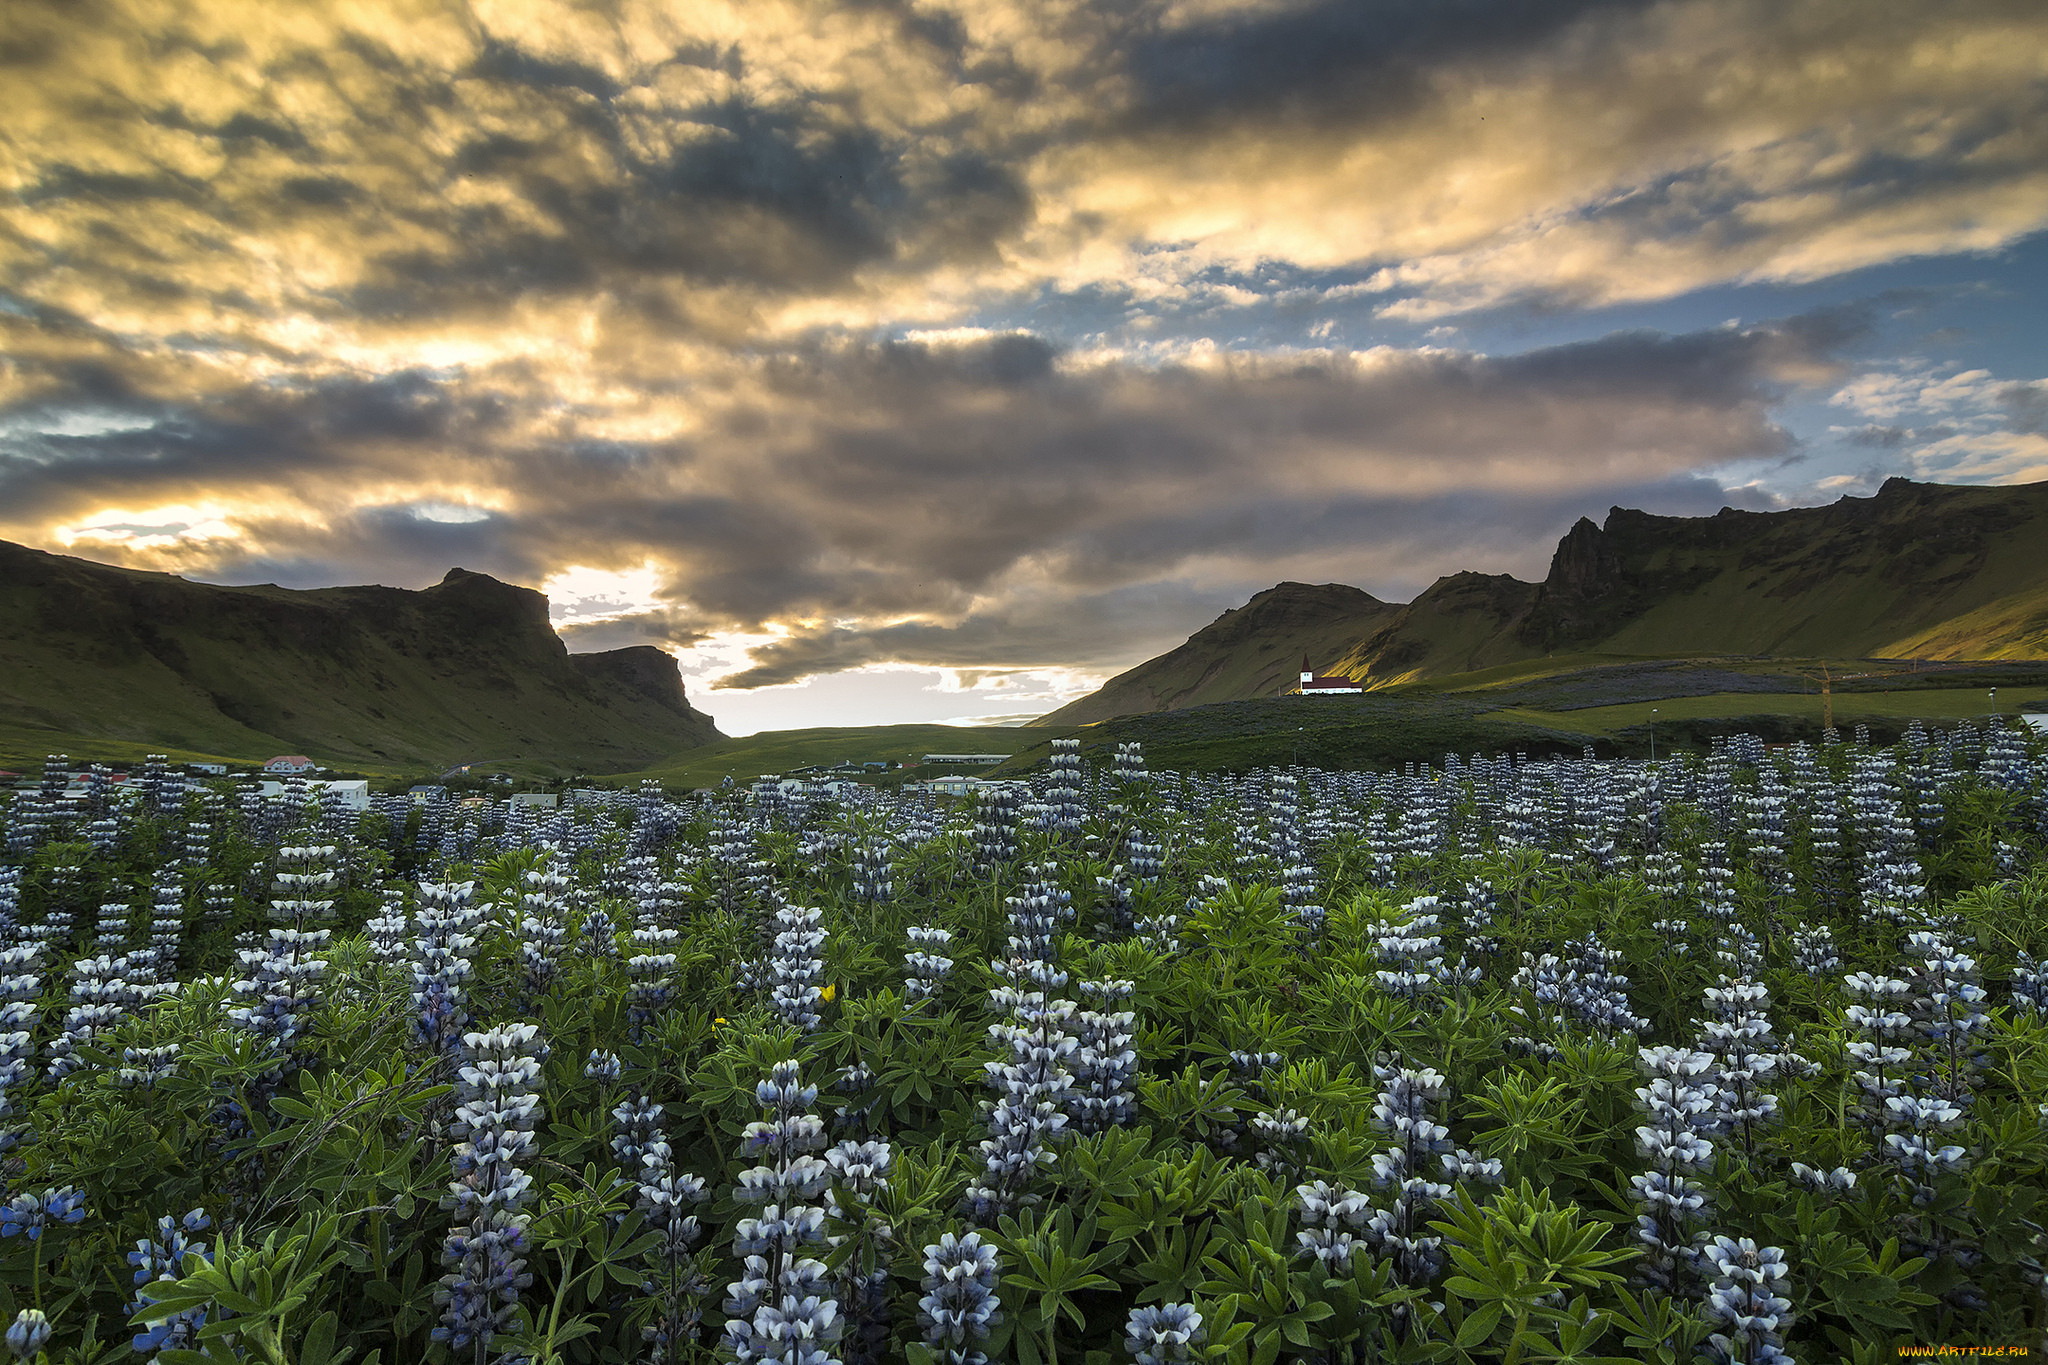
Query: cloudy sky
point(899, 361)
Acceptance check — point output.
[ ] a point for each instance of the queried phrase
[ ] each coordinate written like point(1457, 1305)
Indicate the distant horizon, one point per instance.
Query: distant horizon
point(786, 707)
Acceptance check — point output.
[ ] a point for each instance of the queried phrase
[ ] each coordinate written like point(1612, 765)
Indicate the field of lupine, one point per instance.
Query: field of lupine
point(1740, 1057)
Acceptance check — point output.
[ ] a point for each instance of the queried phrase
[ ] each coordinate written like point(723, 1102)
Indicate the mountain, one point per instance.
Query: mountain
point(1926, 571)
point(467, 670)
point(1250, 651)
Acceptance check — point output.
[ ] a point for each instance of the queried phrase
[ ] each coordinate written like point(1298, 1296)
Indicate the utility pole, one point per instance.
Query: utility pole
point(1653, 734)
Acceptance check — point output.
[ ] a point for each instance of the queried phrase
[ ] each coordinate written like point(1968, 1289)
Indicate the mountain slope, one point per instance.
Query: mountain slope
point(1857, 577)
point(468, 669)
point(1925, 571)
point(1251, 651)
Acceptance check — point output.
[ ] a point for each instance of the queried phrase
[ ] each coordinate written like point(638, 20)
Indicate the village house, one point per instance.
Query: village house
point(349, 793)
point(947, 786)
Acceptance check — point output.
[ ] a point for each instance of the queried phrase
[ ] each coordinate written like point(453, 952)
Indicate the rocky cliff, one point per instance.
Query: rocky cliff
point(1918, 570)
point(466, 670)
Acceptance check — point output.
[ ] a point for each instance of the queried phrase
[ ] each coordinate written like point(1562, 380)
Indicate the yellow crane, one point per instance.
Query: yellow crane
point(1827, 695)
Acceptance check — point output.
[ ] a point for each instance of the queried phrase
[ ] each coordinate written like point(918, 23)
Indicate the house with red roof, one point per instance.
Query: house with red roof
point(1314, 686)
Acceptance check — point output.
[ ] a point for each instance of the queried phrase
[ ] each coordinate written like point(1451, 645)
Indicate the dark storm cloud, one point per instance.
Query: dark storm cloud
point(1399, 544)
point(1334, 62)
point(948, 497)
point(1880, 438)
point(788, 196)
point(2026, 407)
point(254, 438)
point(677, 629)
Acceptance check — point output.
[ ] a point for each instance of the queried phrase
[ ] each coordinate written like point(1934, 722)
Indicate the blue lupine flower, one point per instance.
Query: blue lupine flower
point(796, 967)
point(1419, 1146)
point(162, 1258)
point(1740, 1037)
point(1413, 950)
point(28, 1333)
point(1163, 1334)
point(30, 1213)
point(1680, 1106)
point(441, 953)
point(1949, 1005)
point(1745, 1303)
point(494, 1123)
point(927, 970)
point(779, 1309)
point(1105, 1064)
point(1332, 1219)
point(960, 1303)
point(541, 926)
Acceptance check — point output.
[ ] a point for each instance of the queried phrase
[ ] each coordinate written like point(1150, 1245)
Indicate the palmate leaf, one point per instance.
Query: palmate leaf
point(1110, 1165)
point(263, 1285)
point(1656, 1329)
point(1191, 1103)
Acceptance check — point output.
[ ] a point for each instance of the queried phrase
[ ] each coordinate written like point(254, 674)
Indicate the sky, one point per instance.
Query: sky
point(904, 361)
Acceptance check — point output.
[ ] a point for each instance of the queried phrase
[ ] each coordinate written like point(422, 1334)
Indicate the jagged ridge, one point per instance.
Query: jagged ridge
point(466, 670)
point(1925, 571)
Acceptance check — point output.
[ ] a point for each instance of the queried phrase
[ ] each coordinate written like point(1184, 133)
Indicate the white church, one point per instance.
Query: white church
point(1313, 686)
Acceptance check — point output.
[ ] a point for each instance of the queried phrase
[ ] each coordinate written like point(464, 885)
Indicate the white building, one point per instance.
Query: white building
point(982, 760)
point(289, 763)
point(2037, 723)
point(538, 800)
point(947, 786)
point(1313, 686)
point(353, 793)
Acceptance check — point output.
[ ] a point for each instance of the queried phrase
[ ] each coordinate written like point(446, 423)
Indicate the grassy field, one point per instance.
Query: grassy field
point(778, 751)
point(1946, 705)
point(1534, 705)
point(23, 748)
point(1376, 730)
point(1509, 674)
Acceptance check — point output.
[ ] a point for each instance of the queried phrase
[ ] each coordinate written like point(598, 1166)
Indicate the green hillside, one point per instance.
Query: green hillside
point(2012, 627)
point(1923, 571)
point(1942, 706)
point(1863, 577)
point(1461, 624)
point(373, 678)
point(1538, 707)
point(1253, 651)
